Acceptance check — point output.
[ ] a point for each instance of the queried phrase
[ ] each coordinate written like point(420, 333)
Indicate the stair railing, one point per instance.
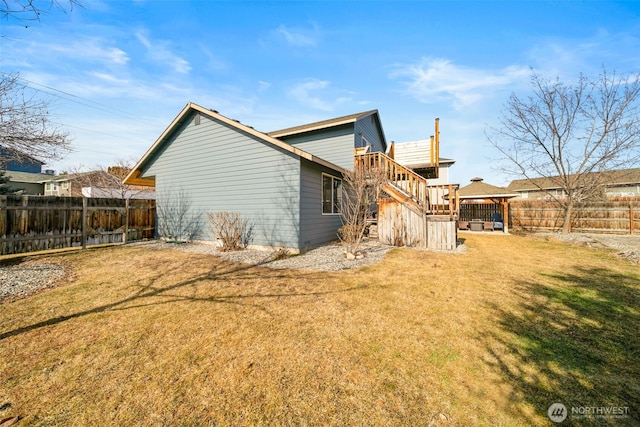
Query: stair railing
point(433, 199)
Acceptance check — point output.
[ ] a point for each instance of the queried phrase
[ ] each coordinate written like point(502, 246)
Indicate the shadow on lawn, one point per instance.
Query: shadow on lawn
point(573, 340)
point(220, 272)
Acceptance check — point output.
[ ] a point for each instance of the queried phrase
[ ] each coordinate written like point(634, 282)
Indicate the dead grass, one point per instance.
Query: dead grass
point(490, 337)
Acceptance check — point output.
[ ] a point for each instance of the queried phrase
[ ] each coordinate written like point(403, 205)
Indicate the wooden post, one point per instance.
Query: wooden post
point(631, 218)
point(24, 216)
point(505, 215)
point(451, 198)
point(84, 223)
point(126, 221)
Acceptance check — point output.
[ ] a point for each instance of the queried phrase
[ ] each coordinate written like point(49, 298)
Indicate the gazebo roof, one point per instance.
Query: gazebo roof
point(481, 190)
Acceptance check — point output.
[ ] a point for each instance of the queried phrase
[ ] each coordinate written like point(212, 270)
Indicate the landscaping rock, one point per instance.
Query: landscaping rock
point(22, 279)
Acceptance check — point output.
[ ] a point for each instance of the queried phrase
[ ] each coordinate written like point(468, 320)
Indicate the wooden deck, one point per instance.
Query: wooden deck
point(414, 213)
point(409, 188)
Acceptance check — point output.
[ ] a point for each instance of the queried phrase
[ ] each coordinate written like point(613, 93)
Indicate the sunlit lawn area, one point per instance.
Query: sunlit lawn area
point(489, 337)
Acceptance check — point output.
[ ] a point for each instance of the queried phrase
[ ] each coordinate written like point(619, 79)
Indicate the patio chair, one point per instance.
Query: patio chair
point(463, 225)
point(498, 223)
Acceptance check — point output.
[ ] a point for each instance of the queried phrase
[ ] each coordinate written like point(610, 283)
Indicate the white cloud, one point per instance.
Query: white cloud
point(109, 78)
point(306, 93)
point(160, 51)
point(262, 85)
point(85, 49)
point(297, 36)
point(436, 80)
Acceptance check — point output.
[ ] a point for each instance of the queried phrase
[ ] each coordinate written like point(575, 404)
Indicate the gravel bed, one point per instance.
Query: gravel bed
point(324, 258)
point(20, 280)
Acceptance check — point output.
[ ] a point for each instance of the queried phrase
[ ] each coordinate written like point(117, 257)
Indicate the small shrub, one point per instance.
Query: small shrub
point(282, 253)
point(231, 230)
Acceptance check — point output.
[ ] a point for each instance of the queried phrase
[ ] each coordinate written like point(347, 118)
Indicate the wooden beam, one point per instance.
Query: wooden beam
point(505, 216)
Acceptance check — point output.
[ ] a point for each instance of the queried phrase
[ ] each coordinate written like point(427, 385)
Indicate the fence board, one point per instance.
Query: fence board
point(481, 211)
point(613, 216)
point(36, 223)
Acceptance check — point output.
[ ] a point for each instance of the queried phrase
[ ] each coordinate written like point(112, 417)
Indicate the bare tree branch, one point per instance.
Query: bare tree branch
point(25, 127)
point(31, 10)
point(106, 182)
point(360, 194)
point(569, 133)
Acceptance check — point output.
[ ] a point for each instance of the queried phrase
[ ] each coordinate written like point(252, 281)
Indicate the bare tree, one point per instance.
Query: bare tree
point(25, 126)
point(568, 133)
point(360, 194)
point(31, 10)
point(106, 182)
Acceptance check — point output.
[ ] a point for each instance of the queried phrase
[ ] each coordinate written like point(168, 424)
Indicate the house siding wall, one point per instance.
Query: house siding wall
point(367, 127)
point(316, 228)
point(26, 188)
point(334, 145)
point(443, 177)
point(220, 168)
point(7, 162)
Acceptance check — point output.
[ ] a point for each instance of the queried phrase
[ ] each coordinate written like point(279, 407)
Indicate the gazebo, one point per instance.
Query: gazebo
point(480, 200)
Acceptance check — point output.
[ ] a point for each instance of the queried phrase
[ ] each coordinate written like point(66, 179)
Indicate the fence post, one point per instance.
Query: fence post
point(84, 223)
point(631, 218)
point(126, 221)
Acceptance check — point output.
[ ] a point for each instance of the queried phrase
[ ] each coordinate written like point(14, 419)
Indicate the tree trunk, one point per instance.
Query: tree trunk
point(568, 213)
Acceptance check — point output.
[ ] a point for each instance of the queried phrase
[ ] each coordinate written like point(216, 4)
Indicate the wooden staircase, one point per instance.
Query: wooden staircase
point(407, 187)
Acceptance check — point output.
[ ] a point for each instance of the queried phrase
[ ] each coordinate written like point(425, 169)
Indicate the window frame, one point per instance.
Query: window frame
point(335, 198)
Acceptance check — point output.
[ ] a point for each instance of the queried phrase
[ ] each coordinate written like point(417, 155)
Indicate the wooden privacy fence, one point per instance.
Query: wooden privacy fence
point(36, 223)
point(620, 216)
point(482, 211)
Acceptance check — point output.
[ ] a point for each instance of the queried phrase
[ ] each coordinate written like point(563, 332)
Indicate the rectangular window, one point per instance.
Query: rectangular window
point(331, 194)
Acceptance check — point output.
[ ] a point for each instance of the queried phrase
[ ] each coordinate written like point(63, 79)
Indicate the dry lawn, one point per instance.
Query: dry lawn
point(490, 337)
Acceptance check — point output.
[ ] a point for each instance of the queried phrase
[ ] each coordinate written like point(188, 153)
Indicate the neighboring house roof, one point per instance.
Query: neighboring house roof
point(442, 161)
point(117, 193)
point(135, 177)
point(27, 177)
point(351, 118)
point(610, 178)
point(481, 190)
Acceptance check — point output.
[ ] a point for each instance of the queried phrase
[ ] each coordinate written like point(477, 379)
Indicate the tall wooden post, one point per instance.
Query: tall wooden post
point(84, 223)
point(126, 221)
point(631, 218)
point(505, 211)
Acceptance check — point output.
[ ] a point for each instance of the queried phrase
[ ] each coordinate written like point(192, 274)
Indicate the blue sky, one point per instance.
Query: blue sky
point(118, 72)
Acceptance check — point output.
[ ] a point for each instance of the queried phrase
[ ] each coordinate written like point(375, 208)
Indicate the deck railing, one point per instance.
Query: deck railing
point(407, 185)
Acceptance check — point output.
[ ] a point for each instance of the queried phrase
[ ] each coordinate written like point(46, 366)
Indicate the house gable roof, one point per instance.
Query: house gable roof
point(325, 124)
point(135, 178)
point(610, 178)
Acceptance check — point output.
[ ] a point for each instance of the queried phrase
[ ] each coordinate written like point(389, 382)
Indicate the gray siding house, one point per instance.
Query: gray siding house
point(286, 183)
